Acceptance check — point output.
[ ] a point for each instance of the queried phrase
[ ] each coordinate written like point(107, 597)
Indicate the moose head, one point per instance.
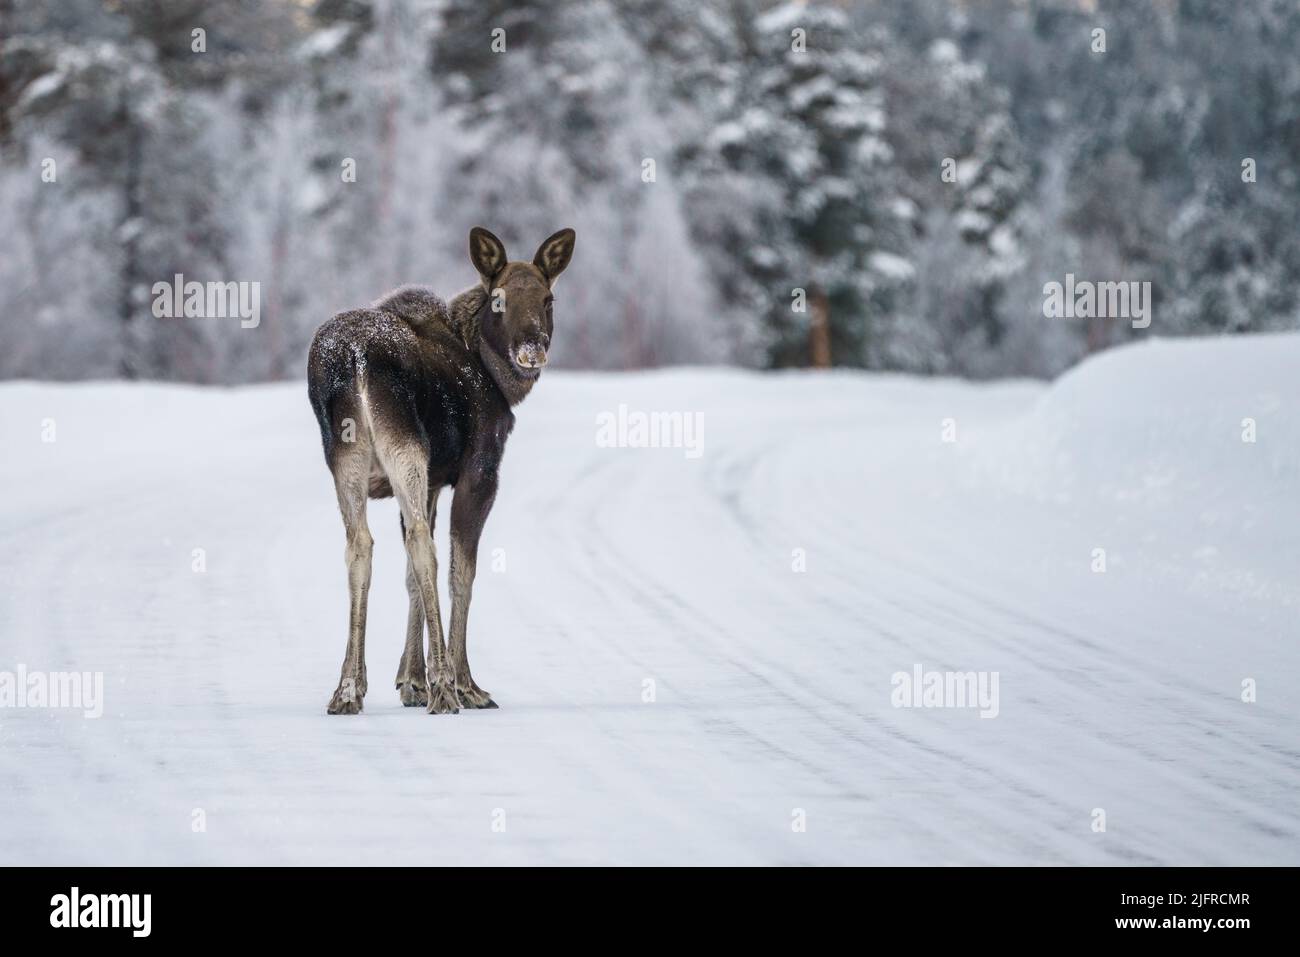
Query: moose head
point(518, 322)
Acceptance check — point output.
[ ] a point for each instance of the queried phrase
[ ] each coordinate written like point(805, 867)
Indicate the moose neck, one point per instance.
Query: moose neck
point(468, 311)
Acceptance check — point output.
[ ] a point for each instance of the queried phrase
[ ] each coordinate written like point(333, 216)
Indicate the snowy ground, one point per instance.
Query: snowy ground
point(1119, 690)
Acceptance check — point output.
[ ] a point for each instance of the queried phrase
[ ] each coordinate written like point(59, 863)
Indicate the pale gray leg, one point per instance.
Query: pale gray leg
point(406, 467)
point(351, 484)
point(412, 686)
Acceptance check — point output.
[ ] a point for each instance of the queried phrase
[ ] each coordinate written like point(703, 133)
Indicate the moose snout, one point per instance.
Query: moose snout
point(531, 355)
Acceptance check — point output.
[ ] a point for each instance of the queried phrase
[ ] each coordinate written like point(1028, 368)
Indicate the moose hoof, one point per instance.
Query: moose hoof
point(442, 698)
point(474, 697)
point(414, 694)
point(347, 698)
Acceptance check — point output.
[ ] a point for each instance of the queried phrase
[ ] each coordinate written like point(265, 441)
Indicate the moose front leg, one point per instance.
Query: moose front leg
point(470, 506)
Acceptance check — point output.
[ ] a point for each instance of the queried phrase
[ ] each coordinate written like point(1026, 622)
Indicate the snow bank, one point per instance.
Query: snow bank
point(1182, 454)
point(1167, 421)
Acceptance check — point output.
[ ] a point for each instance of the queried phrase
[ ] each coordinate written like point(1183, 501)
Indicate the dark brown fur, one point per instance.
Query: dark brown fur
point(414, 394)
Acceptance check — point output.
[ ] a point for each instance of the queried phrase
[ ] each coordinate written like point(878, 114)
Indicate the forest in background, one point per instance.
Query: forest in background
point(717, 174)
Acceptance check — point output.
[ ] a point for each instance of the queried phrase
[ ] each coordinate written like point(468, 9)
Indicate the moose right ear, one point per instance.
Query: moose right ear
point(486, 252)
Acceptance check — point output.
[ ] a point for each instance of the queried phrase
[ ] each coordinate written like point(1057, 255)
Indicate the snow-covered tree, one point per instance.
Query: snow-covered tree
point(965, 178)
point(792, 195)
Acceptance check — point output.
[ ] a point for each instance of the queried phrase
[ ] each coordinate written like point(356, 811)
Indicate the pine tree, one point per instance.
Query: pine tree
point(812, 240)
point(965, 172)
point(126, 92)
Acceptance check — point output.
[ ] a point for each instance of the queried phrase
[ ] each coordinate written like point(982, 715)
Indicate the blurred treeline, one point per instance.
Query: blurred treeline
point(751, 183)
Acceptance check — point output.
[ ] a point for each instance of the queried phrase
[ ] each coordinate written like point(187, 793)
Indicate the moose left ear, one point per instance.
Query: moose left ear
point(554, 254)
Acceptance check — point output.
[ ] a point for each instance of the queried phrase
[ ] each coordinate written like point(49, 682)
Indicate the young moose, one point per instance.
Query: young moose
point(413, 394)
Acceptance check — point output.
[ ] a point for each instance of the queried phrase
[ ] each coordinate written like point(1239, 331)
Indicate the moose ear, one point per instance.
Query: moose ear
point(554, 254)
point(486, 252)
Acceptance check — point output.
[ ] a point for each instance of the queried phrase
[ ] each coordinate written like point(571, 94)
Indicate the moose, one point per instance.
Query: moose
point(414, 394)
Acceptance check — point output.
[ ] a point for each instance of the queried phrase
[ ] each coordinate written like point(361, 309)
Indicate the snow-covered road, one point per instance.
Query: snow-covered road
point(826, 538)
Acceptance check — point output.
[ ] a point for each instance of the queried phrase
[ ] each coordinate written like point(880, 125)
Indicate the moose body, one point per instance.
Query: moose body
point(414, 394)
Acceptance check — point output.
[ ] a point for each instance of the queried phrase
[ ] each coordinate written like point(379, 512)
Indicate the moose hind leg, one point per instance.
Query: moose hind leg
point(412, 686)
point(351, 691)
point(407, 468)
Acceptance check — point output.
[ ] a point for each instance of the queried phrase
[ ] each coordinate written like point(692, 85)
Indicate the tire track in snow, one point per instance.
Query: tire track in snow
point(795, 693)
point(931, 592)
